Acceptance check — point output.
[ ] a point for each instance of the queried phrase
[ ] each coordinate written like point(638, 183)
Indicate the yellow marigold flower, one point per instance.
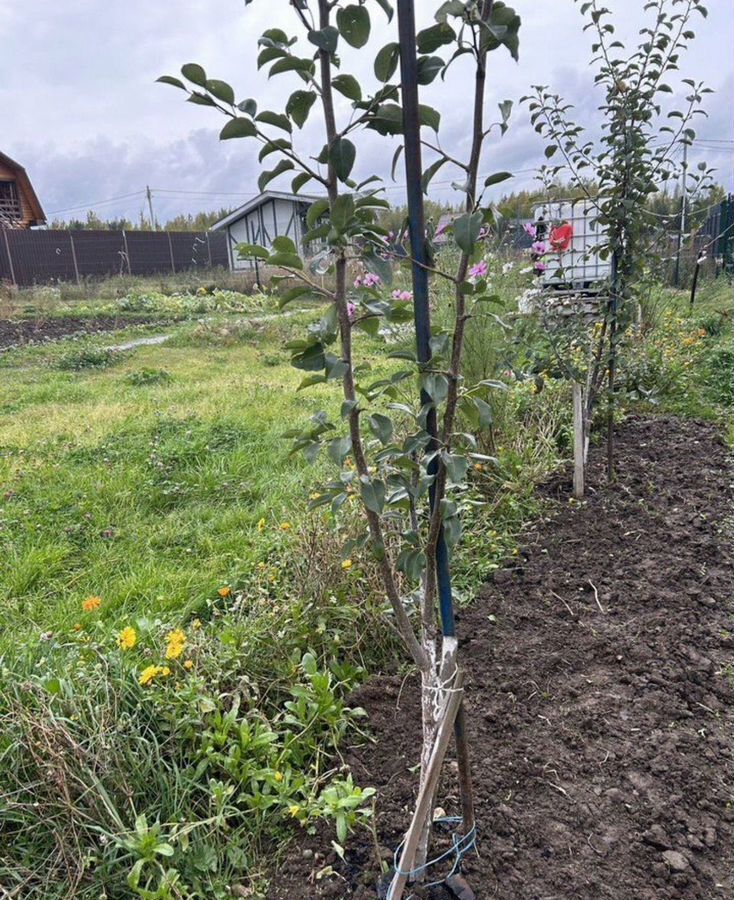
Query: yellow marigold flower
point(91, 604)
point(148, 674)
point(314, 496)
point(346, 564)
point(261, 525)
point(165, 671)
point(294, 810)
point(78, 626)
point(189, 664)
point(479, 467)
point(224, 591)
point(278, 776)
point(176, 640)
point(285, 526)
point(127, 638)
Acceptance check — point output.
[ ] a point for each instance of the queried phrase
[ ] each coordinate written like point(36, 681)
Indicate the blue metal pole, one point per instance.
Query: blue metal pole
point(417, 230)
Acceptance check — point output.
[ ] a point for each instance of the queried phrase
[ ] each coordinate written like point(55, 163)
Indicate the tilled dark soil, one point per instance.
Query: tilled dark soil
point(16, 333)
point(601, 738)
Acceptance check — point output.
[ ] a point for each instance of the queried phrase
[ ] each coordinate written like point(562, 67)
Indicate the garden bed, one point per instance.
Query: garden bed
point(16, 333)
point(599, 700)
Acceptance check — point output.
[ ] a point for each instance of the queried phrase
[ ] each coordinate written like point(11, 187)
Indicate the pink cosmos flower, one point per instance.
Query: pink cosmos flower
point(539, 267)
point(351, 310)
point(368, 280)
point(402, 295)
point(441, 229)
point(530, 229)
point(479, 270)
point(540, 248)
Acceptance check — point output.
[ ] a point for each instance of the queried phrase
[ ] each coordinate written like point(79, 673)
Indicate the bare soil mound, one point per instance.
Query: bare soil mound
point(599, 700)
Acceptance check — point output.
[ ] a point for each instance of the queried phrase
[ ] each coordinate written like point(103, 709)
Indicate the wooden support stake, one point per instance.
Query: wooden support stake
point(423, 804)
point(578, 441)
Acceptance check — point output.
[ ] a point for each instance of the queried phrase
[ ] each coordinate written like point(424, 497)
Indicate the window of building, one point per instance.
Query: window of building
point(9, 201)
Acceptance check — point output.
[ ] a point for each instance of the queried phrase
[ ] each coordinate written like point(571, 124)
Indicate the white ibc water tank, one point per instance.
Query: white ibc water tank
point(579, 267)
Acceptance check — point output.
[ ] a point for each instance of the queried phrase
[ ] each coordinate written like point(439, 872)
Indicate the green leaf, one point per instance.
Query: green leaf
point(273, 146)
point(429, 116)
point(428, 68)
point(169, 79)
point(249, 106)
point(315, 211)
point(277, 120)
point(411, 562)
point(353, 23)
point(339, 449)
point(221, 90)
point(436, 36)
point(266, 177)
point(430, 172)
point(503, 29)
point(292, 64)
point(456, 466)
point(466, 230)
point(436, 386)
point(342, 212)
point(194, 72)
point(381, 427)
point(348, 86)
point(299, 105)
point(299, 181)
point(387, 119)
point(252, 251)
point(496, 178)
point(342, 154)
point(325, 39)
point(386, 8)
point(283, 244)
point(200, 99)
point(549, 151)
point(286, 260)
point(387, 61)
point(269, 54)
point(373, 494)
point(238, 128)
point(292, 294)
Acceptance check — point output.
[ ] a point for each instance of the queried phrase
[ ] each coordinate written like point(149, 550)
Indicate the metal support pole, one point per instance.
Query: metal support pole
point(127, 252)
point(417, 230)
point(421, 311)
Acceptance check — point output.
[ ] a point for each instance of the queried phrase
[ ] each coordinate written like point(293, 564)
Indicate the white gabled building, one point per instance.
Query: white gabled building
point(265, 217)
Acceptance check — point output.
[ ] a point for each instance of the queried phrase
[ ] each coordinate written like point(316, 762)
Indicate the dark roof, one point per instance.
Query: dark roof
point(22, 179)
point(258, 201)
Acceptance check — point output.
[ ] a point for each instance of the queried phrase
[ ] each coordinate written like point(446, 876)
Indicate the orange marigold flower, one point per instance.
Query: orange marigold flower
point(176, 640)
point(224, 591)
point(189, 664)
point(91, 604)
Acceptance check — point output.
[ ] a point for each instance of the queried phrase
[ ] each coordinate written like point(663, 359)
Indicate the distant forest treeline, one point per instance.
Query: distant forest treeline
point(512, 206)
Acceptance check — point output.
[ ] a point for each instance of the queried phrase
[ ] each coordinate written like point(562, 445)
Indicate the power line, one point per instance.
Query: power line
point(97, 203)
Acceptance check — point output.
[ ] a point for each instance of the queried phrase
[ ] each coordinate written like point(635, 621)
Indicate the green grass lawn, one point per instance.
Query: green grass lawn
point(145, 489)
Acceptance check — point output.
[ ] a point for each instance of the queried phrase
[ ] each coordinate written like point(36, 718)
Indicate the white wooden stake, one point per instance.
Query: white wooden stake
point(423, 803)
point(578, 441)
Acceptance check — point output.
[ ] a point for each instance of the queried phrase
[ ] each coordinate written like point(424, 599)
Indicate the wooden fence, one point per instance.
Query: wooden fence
point(40, 257)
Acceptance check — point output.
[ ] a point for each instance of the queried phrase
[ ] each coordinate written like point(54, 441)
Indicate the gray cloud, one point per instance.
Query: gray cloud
point(82, 112)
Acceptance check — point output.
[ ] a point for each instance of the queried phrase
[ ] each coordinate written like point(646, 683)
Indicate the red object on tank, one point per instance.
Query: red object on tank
point(561, 237)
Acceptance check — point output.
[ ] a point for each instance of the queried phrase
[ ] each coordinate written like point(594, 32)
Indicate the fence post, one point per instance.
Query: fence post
point(209, 249)
point(73, 256)
point(578, 441)
point(170, 250)
point(127, 252)
point(10, 256)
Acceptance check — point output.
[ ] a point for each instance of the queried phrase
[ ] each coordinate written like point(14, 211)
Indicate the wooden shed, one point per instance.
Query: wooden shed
point(267, 216)
point(19, 205)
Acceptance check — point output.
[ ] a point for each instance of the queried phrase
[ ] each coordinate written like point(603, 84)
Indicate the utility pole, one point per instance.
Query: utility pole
point(683, 203)
point(153, 223)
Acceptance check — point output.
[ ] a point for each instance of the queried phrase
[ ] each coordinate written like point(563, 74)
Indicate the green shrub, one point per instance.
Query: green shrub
point(87, 358)
point(148, 376)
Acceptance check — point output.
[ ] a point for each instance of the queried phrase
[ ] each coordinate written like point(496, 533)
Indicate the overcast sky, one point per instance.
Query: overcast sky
point(80, 110)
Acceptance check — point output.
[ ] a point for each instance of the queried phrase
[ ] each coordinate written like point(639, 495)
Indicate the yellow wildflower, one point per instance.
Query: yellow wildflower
point(285, 526)
point(346, 564)
point(91, 604)
point(314, 496)
point(189, 664)
point(261, 525)
point(127, 638)
point(165, 671)
point(278, 776)
point(294, 810)
point(478, 467)
point(224, 591)
point(176, 640)
point(196, 624)
point(148, 674)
